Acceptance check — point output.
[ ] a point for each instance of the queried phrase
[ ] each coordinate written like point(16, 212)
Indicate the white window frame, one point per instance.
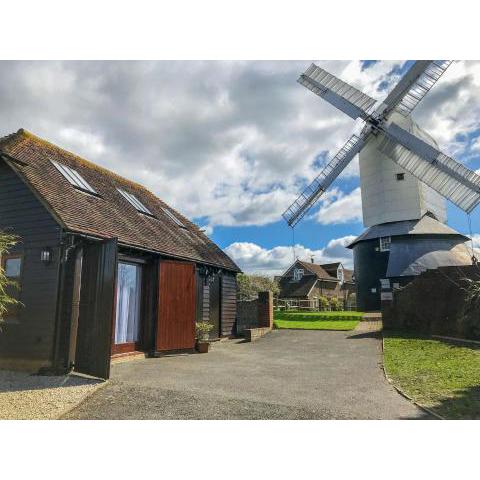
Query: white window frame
point(135, 202)
point(340, 274)
point(385, 243)
point(174, 218)
point(74, 178)
point(298, 274)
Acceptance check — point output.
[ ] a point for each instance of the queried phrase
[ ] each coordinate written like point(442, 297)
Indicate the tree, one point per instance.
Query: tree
point(250, 285)
point(6, 242)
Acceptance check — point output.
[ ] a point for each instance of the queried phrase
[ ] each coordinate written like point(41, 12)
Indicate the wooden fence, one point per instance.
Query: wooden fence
point(292, 304)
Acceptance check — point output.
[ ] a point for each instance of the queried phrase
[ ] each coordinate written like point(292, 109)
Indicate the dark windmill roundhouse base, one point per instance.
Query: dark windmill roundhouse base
point(104, 268)
point(390, 255)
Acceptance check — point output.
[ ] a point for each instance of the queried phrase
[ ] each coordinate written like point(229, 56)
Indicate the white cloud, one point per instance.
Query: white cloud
point(255, 259)
point(207, 230)
point(232, 142)
point(339, 207)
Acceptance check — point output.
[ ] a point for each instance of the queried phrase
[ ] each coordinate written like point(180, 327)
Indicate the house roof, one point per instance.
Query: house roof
point(423, 226)
point(301, 288)
point(109, 214)
point(331, 269)
point(317, 269)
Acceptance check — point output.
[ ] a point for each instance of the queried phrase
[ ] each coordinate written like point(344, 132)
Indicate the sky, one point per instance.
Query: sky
point(231, 143)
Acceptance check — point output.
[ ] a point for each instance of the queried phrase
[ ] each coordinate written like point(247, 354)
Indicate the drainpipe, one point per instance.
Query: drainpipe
point(75, 313)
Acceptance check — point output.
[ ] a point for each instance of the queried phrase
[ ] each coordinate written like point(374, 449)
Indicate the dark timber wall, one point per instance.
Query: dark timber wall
point(31, 335)
point(228, 304)
point(370, 266)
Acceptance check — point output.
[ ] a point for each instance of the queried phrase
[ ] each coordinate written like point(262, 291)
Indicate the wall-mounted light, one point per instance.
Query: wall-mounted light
point(46, 255)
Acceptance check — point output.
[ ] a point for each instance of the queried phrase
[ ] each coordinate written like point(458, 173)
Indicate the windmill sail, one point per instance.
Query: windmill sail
point(313, 192)
point(340, 94)
point(414, 85)
point(442, 173)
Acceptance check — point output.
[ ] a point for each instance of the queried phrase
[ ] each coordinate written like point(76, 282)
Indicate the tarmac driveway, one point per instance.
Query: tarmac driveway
point(284, 375)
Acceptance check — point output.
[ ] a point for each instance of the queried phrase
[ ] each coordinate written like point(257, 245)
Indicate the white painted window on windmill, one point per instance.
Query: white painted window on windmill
point(298, 274)
point(385, 244)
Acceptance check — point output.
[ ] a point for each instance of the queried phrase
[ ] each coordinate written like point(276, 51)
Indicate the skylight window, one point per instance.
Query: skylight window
point(174, 218)
point(135, 202)
point(74, 178)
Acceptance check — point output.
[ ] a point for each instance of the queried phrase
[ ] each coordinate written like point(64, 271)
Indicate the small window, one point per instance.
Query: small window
point(174, 218)
point(385, 244)
point(400, 177)
point(13, 267)
point(298, 274)
point(74, 178)
point(135, 202)
point(340, 275)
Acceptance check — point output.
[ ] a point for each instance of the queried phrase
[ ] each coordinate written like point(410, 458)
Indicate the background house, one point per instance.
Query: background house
point(103, 265)
point(309, 281)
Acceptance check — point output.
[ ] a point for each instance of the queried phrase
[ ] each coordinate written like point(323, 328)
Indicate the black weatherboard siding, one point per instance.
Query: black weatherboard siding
point(31, 336)
point(370, 266)
point(228, 303)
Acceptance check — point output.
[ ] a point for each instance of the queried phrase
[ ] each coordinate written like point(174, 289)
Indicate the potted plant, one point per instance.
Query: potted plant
point(203, 329)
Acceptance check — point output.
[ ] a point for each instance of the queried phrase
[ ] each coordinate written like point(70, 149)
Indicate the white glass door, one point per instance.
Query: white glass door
point(127, 323)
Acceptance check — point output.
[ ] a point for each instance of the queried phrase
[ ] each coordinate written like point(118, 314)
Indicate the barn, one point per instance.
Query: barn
point(104, 267)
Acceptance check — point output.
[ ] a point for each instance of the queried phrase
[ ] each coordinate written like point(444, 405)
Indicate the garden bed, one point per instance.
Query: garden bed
point(440, 375)
point(317, 320)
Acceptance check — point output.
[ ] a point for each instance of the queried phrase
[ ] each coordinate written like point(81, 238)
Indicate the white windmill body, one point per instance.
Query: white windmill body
point(404, 180)
point(389, 196)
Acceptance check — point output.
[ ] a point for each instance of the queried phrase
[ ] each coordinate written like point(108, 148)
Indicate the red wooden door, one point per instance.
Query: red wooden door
point(176, 306)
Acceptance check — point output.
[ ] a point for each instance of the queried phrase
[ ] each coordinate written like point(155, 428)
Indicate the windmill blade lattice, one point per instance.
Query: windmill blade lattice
point(451, 179)
point(340, 94)
point(416, 83)
point(315, 190)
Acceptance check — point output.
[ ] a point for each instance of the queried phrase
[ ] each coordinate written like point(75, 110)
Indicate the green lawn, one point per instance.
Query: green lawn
point(442, 376)
point(317, 320)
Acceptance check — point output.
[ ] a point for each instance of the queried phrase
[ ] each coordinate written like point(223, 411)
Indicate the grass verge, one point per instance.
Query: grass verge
point(316, 324)
point(442, 376)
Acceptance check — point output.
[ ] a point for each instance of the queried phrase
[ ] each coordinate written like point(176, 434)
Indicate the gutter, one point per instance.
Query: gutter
point(156, 252)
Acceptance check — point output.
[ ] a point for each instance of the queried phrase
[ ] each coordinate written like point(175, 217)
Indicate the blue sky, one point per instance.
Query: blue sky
point(231, 143)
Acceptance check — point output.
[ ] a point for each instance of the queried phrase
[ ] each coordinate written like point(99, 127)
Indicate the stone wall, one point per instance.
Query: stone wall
point(435, 303)
point(255, 313)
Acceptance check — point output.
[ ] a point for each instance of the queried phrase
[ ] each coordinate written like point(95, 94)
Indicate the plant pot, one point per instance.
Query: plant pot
point(202, 346)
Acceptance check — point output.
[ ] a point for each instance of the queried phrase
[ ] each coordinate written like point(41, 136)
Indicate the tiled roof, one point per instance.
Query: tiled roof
point(109, 214)
point(331, 269)
point(317, 270)
point(348, 275)
point(289, 289)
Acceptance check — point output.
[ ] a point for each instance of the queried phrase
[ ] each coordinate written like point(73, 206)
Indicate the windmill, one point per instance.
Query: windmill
point(404, 180)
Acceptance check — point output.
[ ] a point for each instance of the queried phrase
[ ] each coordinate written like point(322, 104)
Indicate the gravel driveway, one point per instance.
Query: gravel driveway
point(34, 397)
point(284, 375)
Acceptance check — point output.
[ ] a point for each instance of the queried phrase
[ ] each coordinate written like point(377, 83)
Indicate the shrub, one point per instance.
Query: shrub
point(203, 329)
point(250, 285)
point(6, 242)
point(471, 317)
point(323, 303)
point(335, 304)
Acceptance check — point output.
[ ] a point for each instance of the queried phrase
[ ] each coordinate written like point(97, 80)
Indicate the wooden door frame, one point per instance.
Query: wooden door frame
point(130, 347)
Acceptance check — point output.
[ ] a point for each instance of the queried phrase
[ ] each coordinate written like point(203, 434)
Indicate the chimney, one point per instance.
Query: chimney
point(312, 257)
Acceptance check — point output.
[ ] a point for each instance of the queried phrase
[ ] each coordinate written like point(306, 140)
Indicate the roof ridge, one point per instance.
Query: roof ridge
point(22, 132)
